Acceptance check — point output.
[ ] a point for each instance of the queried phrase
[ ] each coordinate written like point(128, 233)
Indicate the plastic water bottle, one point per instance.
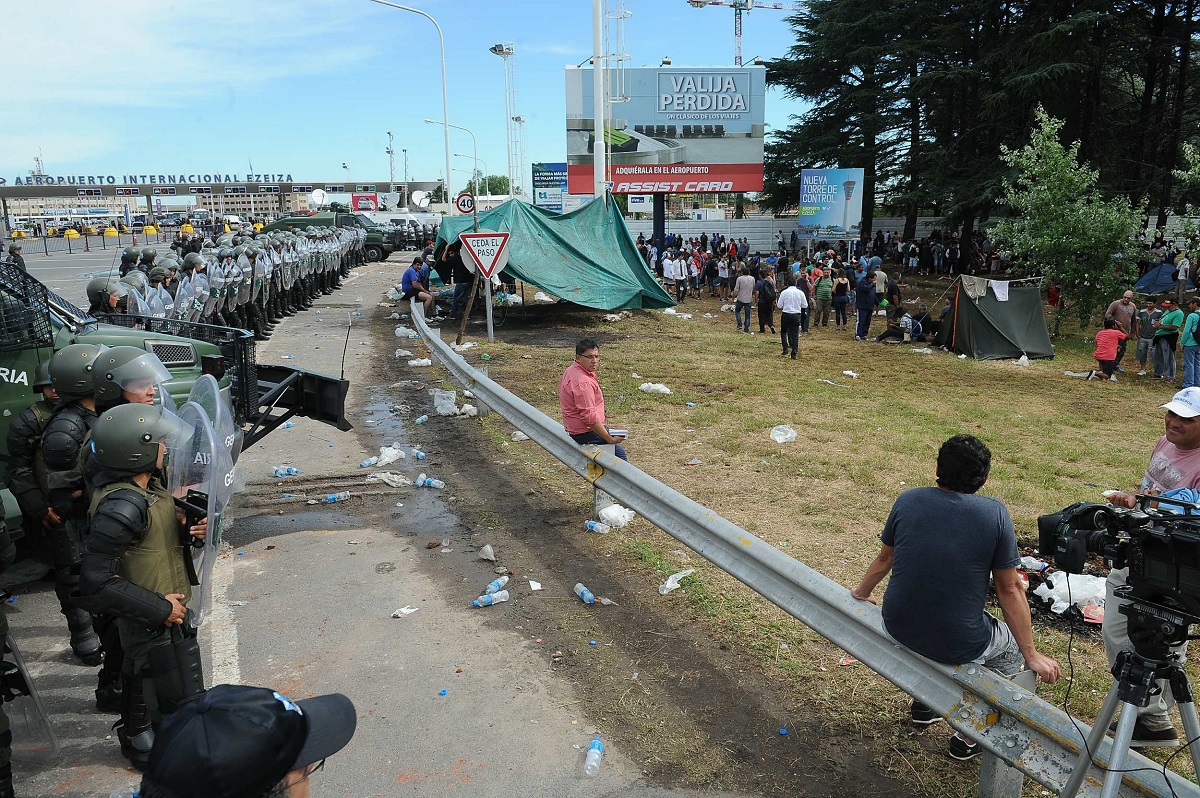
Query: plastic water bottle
point(286, 471)
point(370, 461)
point(419, 455)
point(429, 482)
point(287, 425)
point(488, 599)
point(495, 585)
point(422, 419)
point(333, 498)
point(591, 765)
point(584, 594)
point(597, 526)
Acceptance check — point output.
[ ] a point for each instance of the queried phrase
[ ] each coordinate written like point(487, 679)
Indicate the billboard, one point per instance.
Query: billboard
point(549, 185)
point(681, 130)
point(830, 203)
point(364, 202)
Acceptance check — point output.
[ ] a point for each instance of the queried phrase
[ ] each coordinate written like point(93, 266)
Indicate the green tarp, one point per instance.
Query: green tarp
point(585, 256)
point(987, 329)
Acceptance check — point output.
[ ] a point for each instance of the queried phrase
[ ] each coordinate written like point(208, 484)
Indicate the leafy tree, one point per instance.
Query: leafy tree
point(1062, 225)
point(488, 184)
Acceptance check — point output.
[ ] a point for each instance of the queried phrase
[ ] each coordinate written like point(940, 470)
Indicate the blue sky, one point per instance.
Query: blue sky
point(302, 86)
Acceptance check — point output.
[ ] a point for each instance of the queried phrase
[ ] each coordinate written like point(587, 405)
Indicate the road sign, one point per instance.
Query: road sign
point(488, 249)
point(464, 202)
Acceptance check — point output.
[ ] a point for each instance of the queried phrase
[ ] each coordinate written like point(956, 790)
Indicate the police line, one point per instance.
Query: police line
point(1013, 725)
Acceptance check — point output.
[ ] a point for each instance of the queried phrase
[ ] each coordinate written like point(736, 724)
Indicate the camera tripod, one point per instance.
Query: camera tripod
point(1154, 630)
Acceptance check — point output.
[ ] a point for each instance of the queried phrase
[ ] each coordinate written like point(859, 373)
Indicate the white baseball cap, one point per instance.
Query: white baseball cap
point(1185, 404)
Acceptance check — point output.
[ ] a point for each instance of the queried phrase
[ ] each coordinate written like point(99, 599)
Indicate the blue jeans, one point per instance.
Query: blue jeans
point(461, 291)
point(1191, 366)
point(864, 321)
point(840, 316)
point(591, 437)
point(740, 309)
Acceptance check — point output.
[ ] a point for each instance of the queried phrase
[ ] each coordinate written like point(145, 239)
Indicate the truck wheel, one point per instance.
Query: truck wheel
point(374, 253)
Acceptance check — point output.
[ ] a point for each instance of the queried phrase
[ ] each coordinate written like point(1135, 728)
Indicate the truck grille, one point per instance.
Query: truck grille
point(172, 353)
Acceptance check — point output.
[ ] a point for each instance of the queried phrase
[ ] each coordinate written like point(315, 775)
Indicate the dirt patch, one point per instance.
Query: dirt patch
point(695, 707)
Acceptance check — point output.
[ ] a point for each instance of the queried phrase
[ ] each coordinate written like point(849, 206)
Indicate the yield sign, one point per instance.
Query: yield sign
point(488, 249)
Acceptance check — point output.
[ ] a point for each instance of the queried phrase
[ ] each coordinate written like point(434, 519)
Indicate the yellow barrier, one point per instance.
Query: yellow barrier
point(150, 230)
point(110, 232)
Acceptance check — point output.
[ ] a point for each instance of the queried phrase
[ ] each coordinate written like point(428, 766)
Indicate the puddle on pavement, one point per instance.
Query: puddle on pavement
point(253, 528)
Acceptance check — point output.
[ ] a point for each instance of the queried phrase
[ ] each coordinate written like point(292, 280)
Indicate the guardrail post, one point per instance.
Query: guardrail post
point(600, 499)
point(482, 407)
point(998, 779)
point(45, 246)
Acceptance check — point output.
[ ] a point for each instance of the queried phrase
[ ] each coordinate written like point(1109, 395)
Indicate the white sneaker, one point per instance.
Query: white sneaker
point(1112, 378)
point(1142, 373)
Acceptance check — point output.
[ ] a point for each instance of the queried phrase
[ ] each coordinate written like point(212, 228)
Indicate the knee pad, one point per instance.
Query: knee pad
point(175, 670)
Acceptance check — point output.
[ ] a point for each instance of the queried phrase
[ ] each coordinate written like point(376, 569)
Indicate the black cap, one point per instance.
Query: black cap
point(239, 742)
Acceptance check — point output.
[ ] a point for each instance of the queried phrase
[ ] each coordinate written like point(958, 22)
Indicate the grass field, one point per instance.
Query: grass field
point(1055, 440)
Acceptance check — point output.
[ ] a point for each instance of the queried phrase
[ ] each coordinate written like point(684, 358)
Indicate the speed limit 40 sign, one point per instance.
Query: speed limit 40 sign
point(464, 202)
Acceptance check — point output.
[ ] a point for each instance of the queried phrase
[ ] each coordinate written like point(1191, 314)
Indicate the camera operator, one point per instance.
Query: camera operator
point(961, 538)
point(1174, 463)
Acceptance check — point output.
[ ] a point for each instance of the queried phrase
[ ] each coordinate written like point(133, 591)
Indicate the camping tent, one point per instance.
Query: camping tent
point(987, 328)
point(585, 256)
point(1157, 280)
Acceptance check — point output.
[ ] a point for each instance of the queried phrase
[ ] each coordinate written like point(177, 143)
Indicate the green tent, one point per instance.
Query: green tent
point(585, 256)
point(986, 328)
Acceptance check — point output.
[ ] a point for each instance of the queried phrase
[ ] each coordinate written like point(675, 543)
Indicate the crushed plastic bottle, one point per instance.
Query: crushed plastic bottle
point(596, 526)
point(488, 599)
point(287, 425)
point(370, 461)
point(1034, 564)
point(584, 594)
point(428, 482)
point(495, 585)
point(422, 419)
point(285, 471)
point(595, 753)
point(419, 455)
point(333, 498)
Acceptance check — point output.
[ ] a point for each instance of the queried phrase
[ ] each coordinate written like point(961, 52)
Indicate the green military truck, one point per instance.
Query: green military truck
point(380, 243)
point(35, 322)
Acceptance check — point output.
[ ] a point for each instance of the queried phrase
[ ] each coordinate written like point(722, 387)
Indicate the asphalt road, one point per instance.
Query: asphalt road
point(303, 604)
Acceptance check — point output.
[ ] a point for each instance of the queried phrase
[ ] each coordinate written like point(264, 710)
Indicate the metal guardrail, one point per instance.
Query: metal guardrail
point(1012, 723)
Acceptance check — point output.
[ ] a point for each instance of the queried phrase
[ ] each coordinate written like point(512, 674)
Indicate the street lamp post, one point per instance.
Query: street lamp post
point(445, 103)
point(505, 51)
point(474, 150)
point(487, 186)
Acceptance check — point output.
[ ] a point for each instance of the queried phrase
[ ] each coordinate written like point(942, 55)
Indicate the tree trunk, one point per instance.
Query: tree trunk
point(914, 153)
point(1170, 157)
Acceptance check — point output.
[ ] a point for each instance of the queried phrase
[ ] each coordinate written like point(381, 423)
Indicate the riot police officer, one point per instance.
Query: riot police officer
point(26, 474)
point(107, 296)
point(136, 568)
point(129, 260)
point(8, 553)
point(63, 443)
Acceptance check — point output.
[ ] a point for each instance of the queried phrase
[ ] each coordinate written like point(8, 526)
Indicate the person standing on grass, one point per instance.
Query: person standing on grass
point(765, 295)
point(823, 294)
point(792, 304)
point(841, 300)
point(865, 300)
point(1144, 329)
point(964, 539)
point(1166, 337)
point(582, 401)
point(743, 292)
point(1191, 345)
point(1124, 310)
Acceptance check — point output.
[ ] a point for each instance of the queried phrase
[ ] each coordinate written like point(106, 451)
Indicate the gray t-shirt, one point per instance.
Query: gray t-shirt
point(946, 546)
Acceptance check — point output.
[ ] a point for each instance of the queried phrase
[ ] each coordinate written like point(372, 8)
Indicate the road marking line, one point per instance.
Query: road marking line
point(223, 631)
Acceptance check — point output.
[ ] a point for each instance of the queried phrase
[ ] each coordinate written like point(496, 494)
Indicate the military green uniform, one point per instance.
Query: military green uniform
point(7, 554)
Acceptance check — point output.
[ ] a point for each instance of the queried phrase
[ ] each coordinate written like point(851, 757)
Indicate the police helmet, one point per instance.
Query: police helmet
point(192, 260)
point(136, 279)
point(124, 368)
point(71, 370)
point(41, 376)
point(148, 255)
point(125, 438)
point(99, 289)
point(159, 273)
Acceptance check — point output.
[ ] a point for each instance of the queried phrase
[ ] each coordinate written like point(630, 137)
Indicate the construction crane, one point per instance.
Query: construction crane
point(738, 7)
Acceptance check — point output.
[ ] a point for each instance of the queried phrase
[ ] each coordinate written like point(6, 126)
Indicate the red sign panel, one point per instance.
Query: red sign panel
point(682, 178)
point(365, 202)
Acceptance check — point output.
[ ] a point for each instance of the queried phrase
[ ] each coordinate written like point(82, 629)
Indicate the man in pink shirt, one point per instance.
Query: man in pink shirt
point(582, 401)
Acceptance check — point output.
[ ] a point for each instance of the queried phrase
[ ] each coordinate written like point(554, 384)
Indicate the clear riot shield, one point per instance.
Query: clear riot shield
point(154, 302)
point(136, 305)
point(32, 735)
point(200, 476)
point(216, 284)
point(206, 392)
point(235, 278)
point(259, 272)
point(166, 300)
point(183, 299)
point(201, 295)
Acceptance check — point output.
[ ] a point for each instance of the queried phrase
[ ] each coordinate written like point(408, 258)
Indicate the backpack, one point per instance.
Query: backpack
point(767, 292)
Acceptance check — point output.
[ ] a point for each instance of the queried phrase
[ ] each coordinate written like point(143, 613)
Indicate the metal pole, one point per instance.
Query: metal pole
point(598, 150)
point(445, 102)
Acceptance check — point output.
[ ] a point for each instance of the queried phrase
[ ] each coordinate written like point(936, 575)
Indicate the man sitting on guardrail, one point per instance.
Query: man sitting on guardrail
point(582, 401)
point(940, 545)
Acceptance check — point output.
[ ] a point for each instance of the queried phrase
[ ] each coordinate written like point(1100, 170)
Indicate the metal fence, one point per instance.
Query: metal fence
point(85, 242)
point(1015, 727)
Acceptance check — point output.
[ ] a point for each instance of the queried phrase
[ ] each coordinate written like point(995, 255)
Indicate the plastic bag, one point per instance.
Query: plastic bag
point(673, 581)
point(389, 455)
point(783, 434)
point(406, 332)
point(390, 478)
point(445, 403)
point(470, 411)
point(540, 297)
point(1079, 589)
point(654, 387)
point(617, 516)
point(403, 353)
point(519, 436)
point(421, 361)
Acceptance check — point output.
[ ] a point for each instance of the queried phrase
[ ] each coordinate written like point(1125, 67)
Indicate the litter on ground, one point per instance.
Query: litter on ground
point(654, 387)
